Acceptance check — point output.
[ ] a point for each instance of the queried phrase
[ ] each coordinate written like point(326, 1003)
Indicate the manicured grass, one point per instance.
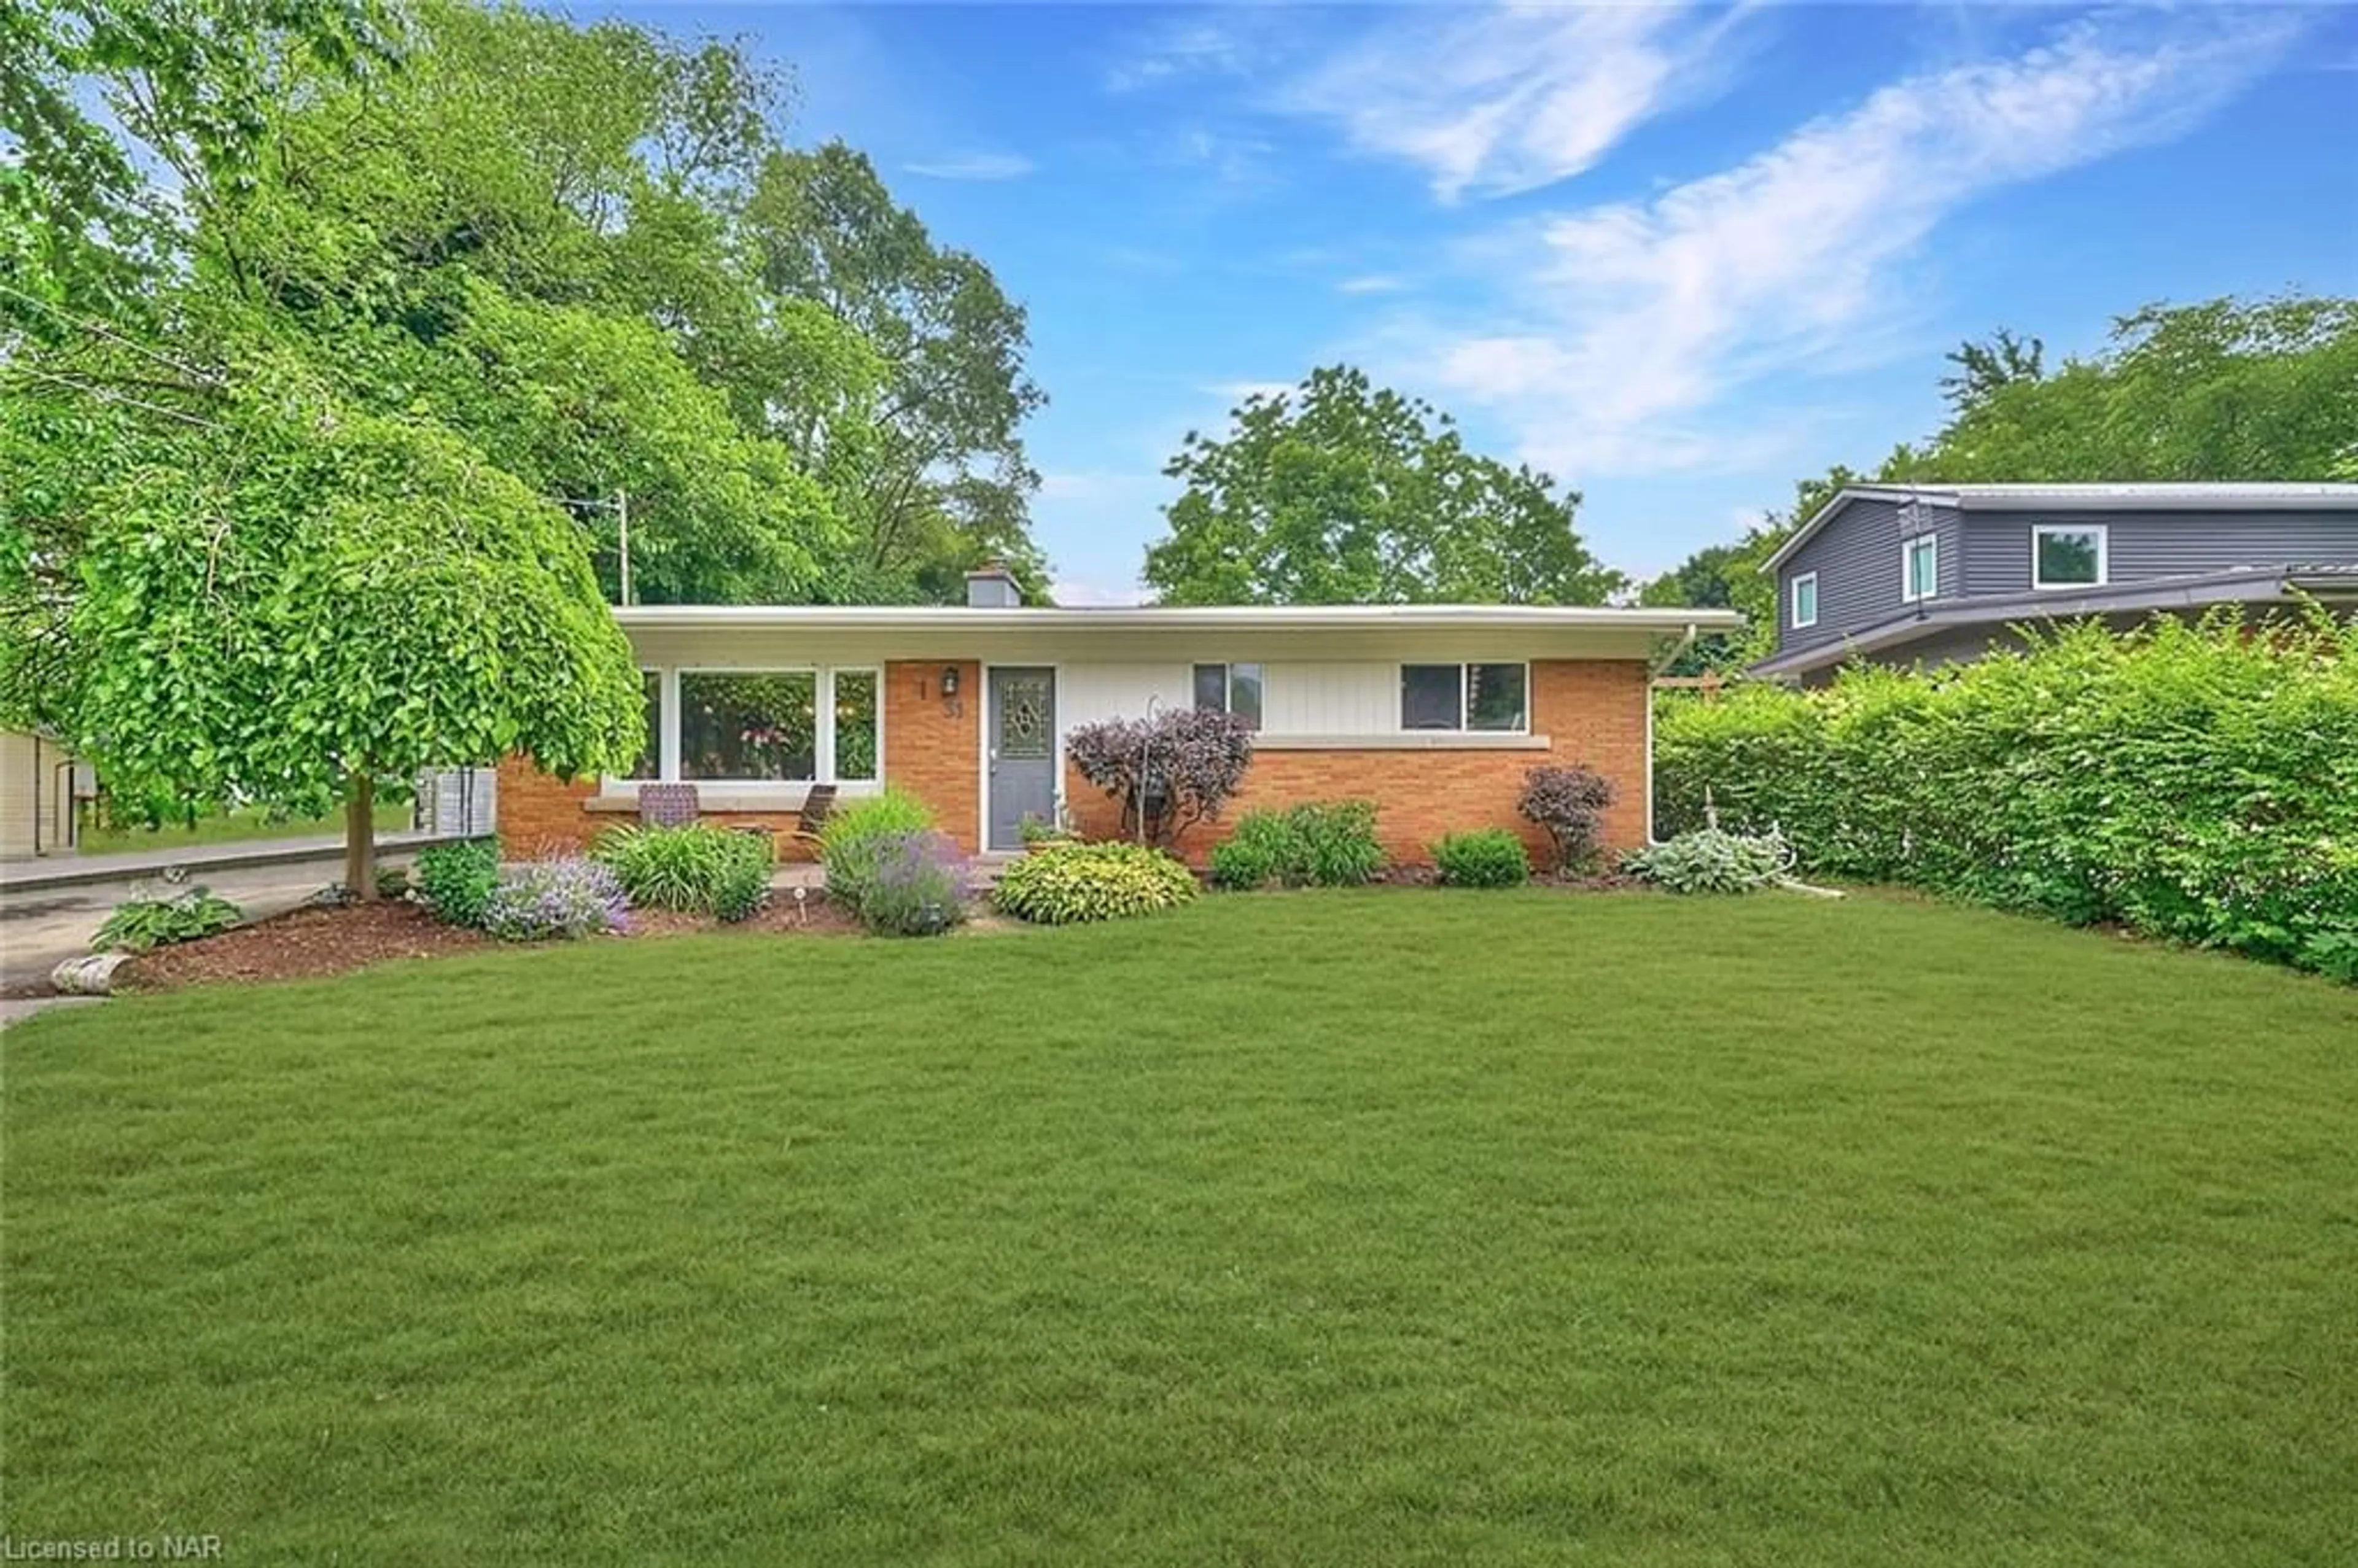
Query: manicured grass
point(1377, 1228)
point(236, 825)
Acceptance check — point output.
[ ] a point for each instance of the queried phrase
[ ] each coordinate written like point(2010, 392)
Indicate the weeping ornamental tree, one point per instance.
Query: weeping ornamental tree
point(306, 599)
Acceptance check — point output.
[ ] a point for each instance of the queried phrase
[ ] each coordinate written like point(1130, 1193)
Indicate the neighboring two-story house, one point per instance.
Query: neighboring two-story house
point(1938, 574)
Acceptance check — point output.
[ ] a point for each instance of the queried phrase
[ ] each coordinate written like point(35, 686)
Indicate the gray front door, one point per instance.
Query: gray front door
point(1023, 752)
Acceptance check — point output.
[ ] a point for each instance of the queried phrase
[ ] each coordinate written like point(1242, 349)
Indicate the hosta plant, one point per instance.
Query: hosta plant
point(1065, 883)
point(140, 924)
point(1710, 860)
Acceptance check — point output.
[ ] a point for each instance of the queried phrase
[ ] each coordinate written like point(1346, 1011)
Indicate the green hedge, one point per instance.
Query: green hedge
point(2190, 782)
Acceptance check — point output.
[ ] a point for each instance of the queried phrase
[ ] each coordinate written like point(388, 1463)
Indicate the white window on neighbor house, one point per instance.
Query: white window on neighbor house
point(1919, 567)
point(1475, 698)
point(812, 726)
point(2067, 556)
point(1230, 689)
point(1805, 602)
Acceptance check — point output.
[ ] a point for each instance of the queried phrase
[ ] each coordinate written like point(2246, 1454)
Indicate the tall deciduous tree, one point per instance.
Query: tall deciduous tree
point(1341, 492)
point(950, 481)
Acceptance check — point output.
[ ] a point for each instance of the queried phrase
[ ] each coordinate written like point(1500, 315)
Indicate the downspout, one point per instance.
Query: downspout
point(1653, 673)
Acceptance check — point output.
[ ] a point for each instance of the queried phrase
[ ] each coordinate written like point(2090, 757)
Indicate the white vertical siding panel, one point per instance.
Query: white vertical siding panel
point(20, 765)
point(1088, 692)
point(1358, 699)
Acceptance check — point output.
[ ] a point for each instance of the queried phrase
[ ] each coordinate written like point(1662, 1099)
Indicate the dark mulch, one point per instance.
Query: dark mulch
point(311, 942)
point(301, 944)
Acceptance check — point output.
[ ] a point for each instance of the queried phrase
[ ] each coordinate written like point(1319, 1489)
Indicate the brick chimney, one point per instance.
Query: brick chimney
point(992, 586)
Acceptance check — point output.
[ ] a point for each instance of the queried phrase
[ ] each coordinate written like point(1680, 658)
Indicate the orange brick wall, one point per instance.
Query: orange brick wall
point(1593, 712)
point(933, 749)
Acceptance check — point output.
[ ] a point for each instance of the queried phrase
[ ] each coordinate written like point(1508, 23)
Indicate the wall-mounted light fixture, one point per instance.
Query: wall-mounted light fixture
point(949, 680)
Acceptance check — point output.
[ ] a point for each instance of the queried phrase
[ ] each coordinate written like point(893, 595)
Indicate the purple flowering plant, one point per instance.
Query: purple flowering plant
point(920, 887)
point(567, 896)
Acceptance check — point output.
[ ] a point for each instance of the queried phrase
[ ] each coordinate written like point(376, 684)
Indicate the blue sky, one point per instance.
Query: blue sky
point(1677, 256)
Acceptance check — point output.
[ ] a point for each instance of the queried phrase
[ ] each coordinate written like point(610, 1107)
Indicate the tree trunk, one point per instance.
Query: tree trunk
point(360, 836)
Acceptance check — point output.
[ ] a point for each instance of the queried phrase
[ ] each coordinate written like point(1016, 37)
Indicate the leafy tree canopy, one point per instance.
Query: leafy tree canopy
point(1341, 492)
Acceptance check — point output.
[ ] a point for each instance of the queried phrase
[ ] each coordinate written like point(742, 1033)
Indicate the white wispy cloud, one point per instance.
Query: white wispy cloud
point(1509, 100)
point(973, 165)
point(1372, 283)
point(1229, 44)
point(1615, 336)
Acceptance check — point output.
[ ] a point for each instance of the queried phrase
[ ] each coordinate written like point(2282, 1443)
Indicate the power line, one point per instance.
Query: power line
point(100, 330)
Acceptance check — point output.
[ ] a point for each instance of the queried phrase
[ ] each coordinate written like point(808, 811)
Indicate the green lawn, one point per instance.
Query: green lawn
point(1323, 1229)
point(235, 825)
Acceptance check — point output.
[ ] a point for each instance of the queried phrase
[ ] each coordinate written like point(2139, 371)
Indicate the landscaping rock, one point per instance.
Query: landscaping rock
point(91, 974)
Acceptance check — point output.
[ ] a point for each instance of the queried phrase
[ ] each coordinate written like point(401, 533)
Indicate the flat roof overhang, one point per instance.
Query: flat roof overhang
point(685, 633)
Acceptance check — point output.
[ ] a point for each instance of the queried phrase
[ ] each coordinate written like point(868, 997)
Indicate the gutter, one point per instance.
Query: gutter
point(1686, 640)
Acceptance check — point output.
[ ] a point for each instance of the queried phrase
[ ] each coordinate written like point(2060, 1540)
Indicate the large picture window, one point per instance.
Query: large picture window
point(1230, 689)
point(1478, 698)
point(2067, 556)
point(749, 726)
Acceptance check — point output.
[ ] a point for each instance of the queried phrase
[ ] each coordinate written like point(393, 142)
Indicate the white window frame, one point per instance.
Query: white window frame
point(1908, 548)
point(2103, 554)
point(669, 768)
point(1465, 696)
point(1793, 601)
point(1228, 668)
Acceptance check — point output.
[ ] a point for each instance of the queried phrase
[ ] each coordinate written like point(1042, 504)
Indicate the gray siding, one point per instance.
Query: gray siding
point(2143, 546)
point(1856, 557)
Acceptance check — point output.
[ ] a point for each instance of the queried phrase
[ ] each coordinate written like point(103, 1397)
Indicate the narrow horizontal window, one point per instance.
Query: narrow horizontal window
point(1484, 698)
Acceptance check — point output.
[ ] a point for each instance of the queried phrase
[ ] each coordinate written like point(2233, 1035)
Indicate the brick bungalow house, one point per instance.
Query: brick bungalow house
point(1432, 711)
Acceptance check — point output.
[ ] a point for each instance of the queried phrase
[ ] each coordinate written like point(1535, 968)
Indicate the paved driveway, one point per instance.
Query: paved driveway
point(40, 926)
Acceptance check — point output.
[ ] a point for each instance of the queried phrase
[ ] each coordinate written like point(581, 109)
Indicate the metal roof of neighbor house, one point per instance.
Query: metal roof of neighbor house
point(2077, 498)
point(1161, 618)
point(2241, 585)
